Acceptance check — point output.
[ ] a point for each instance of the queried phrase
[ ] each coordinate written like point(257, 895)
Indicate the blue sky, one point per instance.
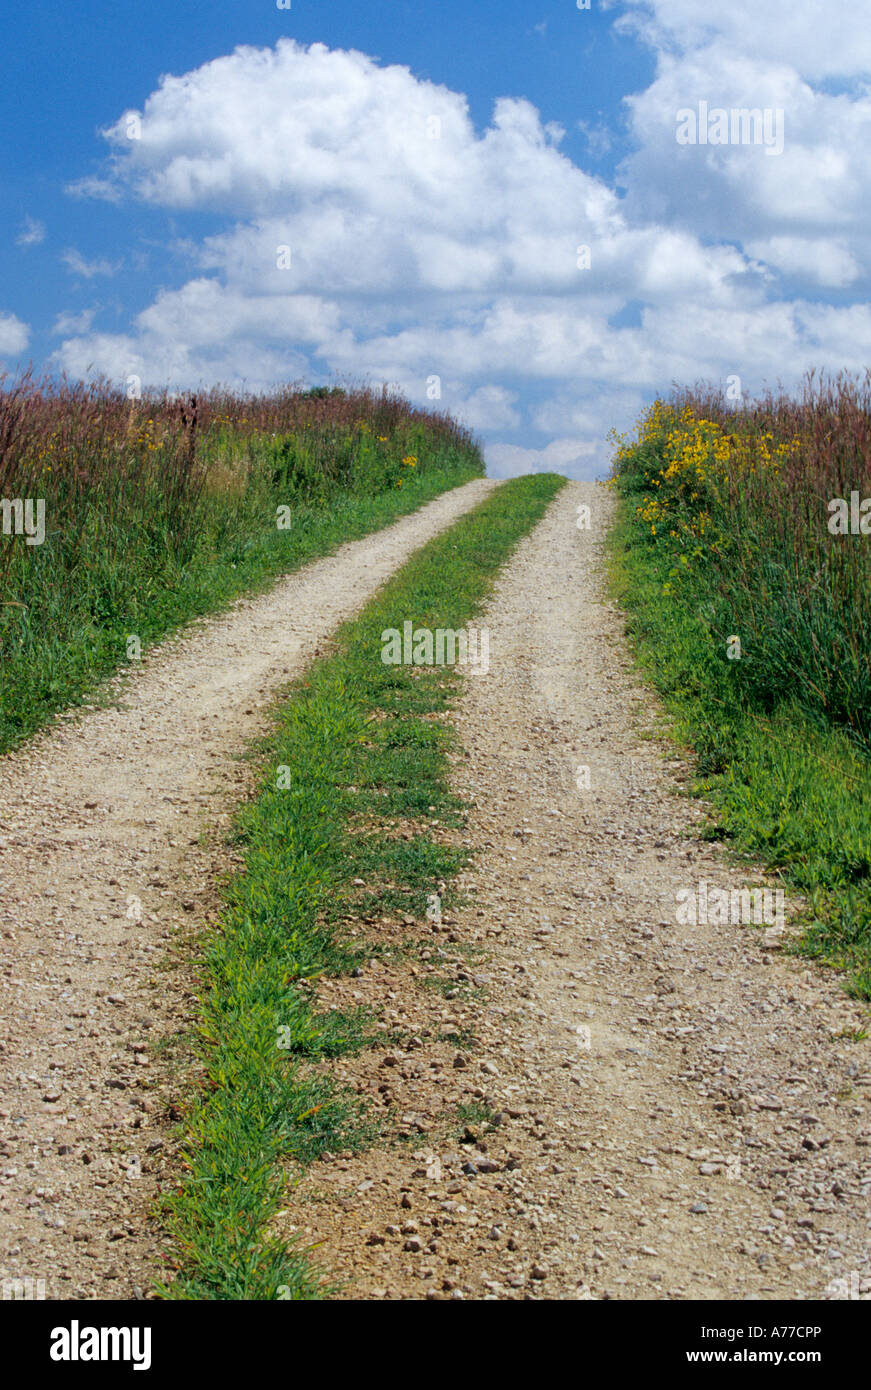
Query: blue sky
point(433, 171)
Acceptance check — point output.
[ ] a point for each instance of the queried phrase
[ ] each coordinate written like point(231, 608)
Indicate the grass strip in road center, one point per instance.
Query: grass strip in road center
point(358, 743)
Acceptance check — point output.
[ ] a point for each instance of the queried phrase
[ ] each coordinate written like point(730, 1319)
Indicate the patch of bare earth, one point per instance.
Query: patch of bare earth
point(585, 1098)
point(105, 871)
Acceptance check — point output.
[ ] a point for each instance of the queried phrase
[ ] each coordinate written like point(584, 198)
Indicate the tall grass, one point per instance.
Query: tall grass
point(754, 619)
point(738, 499)
point(164, 507)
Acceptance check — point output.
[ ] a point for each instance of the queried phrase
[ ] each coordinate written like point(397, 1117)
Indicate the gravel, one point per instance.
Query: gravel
point(103, 878)
point(655, 1080)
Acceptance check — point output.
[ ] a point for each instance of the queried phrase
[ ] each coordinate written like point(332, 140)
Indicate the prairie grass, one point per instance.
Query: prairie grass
point(754, 620)
point(161, 509)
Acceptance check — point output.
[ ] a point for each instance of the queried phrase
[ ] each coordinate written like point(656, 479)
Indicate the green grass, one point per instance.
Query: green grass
point(69, 609)
point(331, 767)
point(786, 788)
point(476, 1119)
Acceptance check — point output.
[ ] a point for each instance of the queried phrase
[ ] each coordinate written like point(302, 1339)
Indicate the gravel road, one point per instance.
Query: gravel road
point(110, 829)
point(592, 1099)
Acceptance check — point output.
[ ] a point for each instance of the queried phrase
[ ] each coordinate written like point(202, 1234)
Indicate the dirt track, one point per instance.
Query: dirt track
point(100, 865)
point(673, 1112)
point(678, 1117)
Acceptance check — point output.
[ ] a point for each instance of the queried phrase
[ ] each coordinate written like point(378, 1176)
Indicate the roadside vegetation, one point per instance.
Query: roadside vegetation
point(741, 562)
point(359, 747)
point(160, 509)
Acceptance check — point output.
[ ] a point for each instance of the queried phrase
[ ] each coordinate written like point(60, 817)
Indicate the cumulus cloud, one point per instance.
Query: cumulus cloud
point(807, 35)
point(14, 335)
point(818, 185)
point(370, 230)
point(488, 408)
point(575, 457)
point(825, 261)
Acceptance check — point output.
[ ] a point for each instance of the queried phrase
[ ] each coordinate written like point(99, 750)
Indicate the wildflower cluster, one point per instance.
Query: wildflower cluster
point(692, 466)
point(728, 506)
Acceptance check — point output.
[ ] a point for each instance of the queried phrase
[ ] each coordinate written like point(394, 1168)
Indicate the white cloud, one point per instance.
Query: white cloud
point(32, 232)
point(69, 323)
point(568, 413)
point(488, 408)
point(821, 260)
point(579, 458)
point(819, 185)
point(373, 232)
point(76, 262)
point(14, 335)
point(809, 35)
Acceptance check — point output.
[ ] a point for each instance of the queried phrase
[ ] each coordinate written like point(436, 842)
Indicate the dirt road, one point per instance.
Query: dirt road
point(592, 1099)
point(101, 864)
